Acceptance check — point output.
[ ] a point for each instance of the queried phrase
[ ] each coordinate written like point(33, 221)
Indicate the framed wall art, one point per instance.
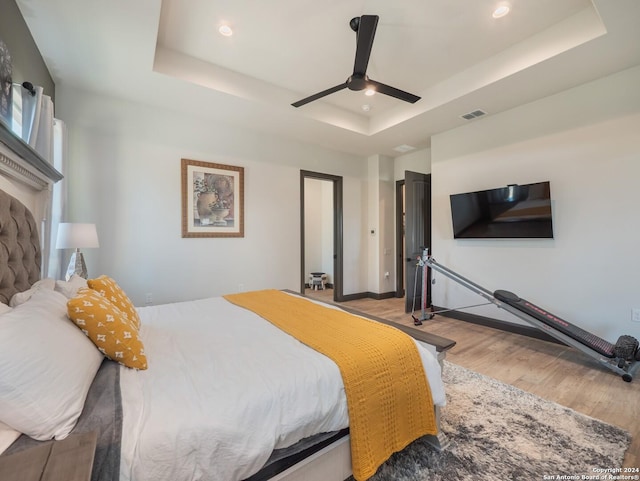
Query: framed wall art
point(212, 199)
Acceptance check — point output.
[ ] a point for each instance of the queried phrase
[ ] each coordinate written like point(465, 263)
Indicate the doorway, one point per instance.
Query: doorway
point(321, 233)
point(413, 234)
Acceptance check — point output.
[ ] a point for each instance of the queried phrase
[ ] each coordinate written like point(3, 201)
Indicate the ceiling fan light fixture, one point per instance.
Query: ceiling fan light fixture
point(501, 10)
point(369, 92)
point(225, 30)
point(365, 28)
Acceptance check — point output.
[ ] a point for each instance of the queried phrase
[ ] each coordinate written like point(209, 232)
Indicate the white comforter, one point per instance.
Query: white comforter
point(224, 389)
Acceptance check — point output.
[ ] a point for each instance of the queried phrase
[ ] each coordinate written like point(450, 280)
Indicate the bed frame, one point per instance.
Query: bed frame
point(21, 259)
point(28, 179)
point(333, 462)
point(20, 255)
point(20, 268)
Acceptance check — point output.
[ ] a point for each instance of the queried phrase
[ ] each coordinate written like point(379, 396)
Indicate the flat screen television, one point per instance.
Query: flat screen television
point(514, 211)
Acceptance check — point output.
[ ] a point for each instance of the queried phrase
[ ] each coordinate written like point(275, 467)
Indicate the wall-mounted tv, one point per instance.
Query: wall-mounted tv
point(514, 211)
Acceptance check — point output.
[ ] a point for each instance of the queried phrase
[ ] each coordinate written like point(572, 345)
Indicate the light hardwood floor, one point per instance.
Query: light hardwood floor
point(549, 370)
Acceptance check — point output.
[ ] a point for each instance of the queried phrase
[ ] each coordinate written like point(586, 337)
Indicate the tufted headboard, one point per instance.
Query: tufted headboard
point(20, 255)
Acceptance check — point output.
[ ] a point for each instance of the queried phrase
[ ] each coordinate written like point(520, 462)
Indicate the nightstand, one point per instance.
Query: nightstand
point(68, 460)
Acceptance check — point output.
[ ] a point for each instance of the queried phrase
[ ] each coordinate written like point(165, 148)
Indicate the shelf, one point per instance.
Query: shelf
point(25, 164)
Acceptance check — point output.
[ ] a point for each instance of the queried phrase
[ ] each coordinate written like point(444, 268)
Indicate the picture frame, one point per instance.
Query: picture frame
point(212, 199)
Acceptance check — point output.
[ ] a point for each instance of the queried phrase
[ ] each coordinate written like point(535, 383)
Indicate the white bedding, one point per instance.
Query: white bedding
point(224, 389)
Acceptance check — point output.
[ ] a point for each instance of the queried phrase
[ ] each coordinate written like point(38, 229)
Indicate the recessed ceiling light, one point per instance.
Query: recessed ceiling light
point(366, 107)
point(369, 92)
point(501, 11)
point(225, 30)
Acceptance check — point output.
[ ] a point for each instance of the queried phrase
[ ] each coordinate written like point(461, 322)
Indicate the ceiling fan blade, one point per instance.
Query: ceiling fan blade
point(319, 95)
point(364, 43)
point(394, 92)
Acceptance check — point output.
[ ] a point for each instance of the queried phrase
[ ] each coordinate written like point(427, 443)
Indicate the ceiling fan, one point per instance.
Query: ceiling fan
point(365, 28)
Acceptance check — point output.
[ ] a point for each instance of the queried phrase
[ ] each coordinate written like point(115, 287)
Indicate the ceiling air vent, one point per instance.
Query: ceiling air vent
point(474, 114)
point(404, 148)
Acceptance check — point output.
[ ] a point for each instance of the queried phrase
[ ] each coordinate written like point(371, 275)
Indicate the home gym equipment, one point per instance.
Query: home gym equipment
point(421, 267)
point(427, 312)
point(623, 357)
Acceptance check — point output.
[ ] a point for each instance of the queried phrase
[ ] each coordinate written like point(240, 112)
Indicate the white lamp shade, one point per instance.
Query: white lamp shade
point(76, 236)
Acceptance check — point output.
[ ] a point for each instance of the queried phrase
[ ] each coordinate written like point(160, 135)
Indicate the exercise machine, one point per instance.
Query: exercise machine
point(623, 357)
point(427, 312)
point(424, 269)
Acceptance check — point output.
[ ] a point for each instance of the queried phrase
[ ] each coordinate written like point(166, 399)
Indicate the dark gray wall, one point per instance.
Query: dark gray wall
point(27, 62)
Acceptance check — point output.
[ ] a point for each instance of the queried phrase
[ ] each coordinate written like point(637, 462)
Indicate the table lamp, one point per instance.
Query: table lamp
point(76, 236)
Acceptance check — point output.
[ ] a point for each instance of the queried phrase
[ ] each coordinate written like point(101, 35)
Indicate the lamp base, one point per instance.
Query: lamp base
point(76, 266)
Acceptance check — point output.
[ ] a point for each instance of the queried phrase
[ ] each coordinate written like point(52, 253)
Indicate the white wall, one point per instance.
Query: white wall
point(124, 175)
point(326, 219)
point(585, 141)
point(318, 227)
point(416, 161)
point(381, 232)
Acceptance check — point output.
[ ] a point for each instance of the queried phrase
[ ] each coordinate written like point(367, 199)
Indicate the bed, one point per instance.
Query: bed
point(227, 395)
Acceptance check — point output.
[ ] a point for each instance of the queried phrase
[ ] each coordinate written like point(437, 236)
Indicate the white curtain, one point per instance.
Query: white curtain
point(32, 119)
point(55, 266)
point(30, 113)
point(37, 122)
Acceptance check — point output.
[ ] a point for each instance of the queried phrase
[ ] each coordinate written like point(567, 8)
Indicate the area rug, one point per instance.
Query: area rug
point(498, 433)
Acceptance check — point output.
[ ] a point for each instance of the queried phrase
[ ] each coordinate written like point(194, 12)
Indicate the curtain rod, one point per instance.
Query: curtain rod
point(28, 86)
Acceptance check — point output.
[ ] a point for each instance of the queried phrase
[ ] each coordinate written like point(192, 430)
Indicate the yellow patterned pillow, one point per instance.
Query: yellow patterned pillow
point(106, 286)
point(107, 327)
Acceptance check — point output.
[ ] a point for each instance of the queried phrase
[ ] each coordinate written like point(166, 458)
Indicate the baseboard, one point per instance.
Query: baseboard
point(498, 324)
point(368, 295)
point(382, 295)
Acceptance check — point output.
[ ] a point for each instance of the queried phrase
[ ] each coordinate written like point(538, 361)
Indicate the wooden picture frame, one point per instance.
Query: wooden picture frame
point(212, 199)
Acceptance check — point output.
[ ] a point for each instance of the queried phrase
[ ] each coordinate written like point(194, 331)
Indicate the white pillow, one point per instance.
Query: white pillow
point(22, 297)
point(70, 288)
point(7, 436)
point(46, 367)
point(4, 308)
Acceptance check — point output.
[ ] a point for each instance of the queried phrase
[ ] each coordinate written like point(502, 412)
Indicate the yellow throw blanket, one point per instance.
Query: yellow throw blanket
point(388, 396)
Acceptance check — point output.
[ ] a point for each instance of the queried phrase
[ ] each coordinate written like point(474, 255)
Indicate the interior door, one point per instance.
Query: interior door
point(337, 231)
point(417, 236)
